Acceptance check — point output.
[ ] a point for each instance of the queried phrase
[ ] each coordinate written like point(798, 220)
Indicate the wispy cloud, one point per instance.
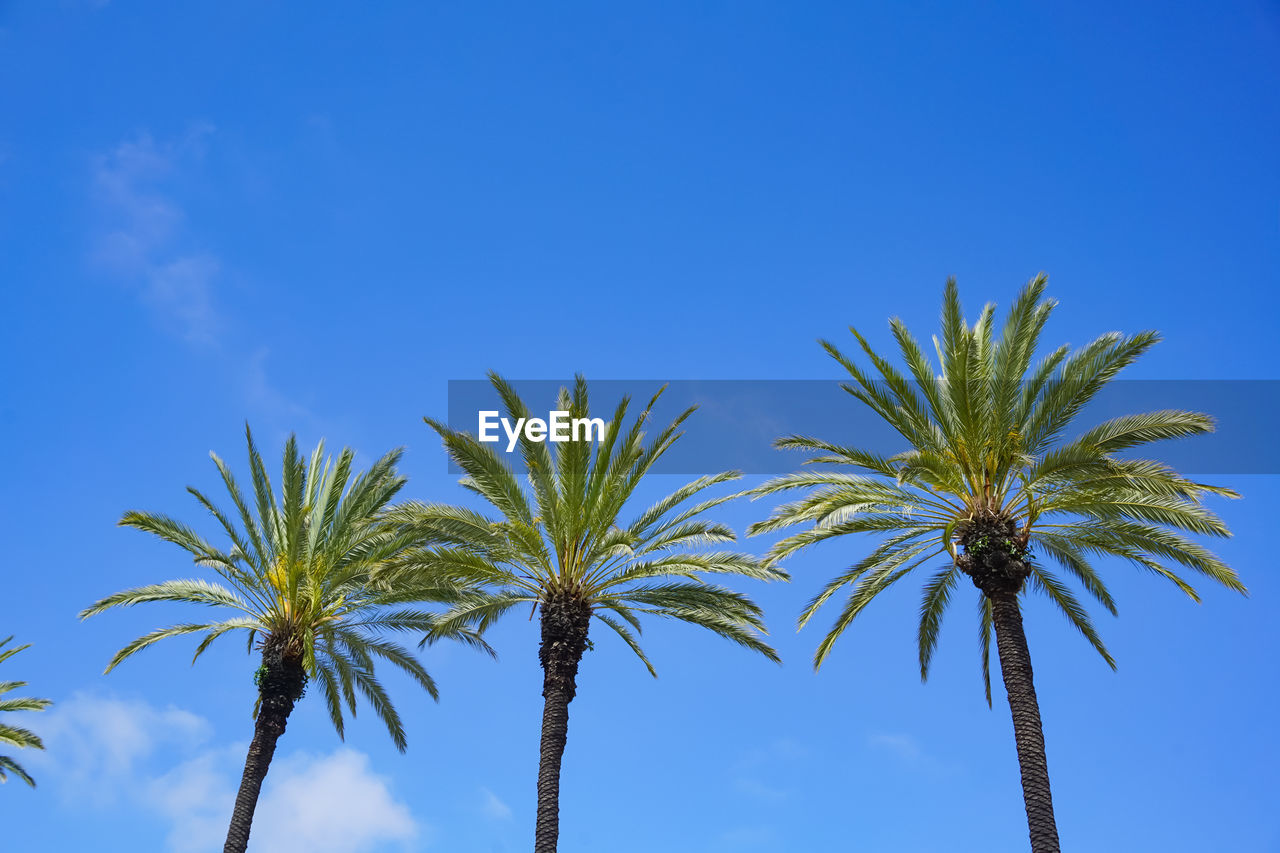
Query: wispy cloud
point(909, 752)
point(144, 241)
point(783, 749)
point(768, 761)
point(142, 238)
point(904, 747)
point(492, 806)
point(263, 394)
point(105, 752)
point(195, 798)
point(757, 789)
point(94, 742)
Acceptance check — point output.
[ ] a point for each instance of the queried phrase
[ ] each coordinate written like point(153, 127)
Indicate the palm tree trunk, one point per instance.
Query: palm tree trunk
point(1015, 666)
point(280, 686)
point(564, 641)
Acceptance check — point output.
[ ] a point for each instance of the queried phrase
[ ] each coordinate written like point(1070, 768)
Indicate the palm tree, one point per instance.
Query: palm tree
point(16, 735)
point(558, 546)
point(297, 577)
point(989, 484)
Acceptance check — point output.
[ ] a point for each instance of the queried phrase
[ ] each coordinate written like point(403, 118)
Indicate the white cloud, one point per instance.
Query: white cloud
point(333, 804)
point(903, 746)
point(783, 749)
point(909, 752)
point(759, 790)
point(112, 754)
point(93, 742)
point(141, 239)
point(768, 761)
point(265, 396)
point(181, 290)
point(196, 798)
point(492, 806)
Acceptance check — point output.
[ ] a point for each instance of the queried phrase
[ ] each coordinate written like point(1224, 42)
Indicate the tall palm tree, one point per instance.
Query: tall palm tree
point(297, 576)
point(16, 735)
point(558, 546)
point(989, 484)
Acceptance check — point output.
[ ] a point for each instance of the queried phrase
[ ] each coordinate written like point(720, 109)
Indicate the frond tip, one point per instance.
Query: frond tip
point(562, 532)
point(12, 735)
point(984, 430)
point(303, 572)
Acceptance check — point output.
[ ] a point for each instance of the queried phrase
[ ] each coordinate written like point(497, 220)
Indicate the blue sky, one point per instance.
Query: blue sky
point(313, 218)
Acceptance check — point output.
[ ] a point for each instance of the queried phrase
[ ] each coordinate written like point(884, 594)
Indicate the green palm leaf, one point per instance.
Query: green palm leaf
point(557, 543)
point(14, 736)
point(300, 578)
point(297, 566)
point(983, 428)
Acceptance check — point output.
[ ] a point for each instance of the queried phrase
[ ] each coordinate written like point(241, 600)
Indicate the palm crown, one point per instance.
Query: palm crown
point(297, 577)
point(986, 472)
point(11, 735)
point(563, 550)
point(565, 542)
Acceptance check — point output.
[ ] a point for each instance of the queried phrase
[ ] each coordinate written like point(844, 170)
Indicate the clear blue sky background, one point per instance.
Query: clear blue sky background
point(312, 218)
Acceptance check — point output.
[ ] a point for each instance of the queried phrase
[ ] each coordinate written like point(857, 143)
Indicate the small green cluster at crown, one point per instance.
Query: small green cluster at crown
point(261, 673)
point(982, 545)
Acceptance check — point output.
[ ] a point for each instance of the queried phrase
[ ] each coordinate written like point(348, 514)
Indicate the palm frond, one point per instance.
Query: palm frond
point(561, 534)
point(983, 428)
point(306, 572)
point(13, 735)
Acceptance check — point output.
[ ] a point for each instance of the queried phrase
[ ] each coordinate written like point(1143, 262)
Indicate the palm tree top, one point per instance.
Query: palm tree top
point(987, 464)
point(296, 574)
point(561, 533)
point(11, 735)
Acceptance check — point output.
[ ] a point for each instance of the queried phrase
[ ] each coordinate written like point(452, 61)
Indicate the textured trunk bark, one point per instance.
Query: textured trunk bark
point(564, 640)
point(1015, 666)
point(279, 688)
point(555, 733)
